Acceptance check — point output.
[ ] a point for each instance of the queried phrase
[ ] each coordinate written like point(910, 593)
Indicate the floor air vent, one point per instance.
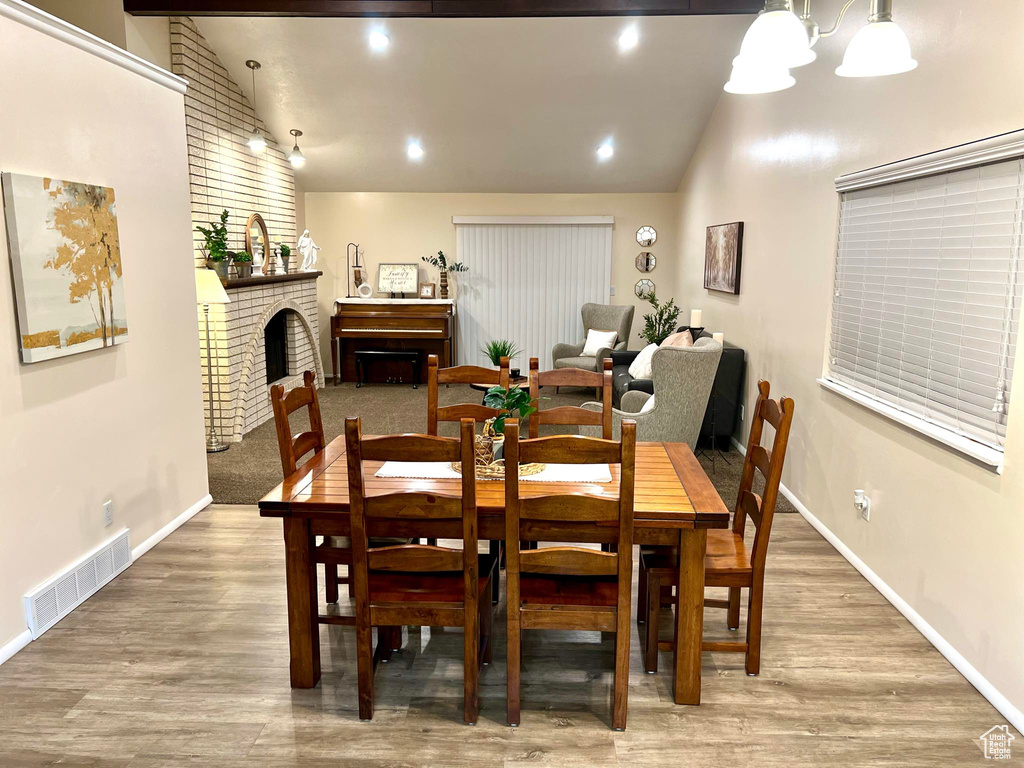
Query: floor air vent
point(52, 601)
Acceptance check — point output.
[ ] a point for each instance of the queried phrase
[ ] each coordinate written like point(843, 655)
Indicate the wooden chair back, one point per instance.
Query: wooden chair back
point(571, 414)
point(527, 518)
point(411, 507)
point(461, 374)
point(293, 448)
point(767, 462)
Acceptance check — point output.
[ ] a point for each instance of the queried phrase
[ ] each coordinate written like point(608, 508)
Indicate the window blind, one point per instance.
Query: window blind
point(927, 298)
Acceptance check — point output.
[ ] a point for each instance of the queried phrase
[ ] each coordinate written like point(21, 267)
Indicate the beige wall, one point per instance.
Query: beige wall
point(103, 18)
point(403, 227)
point(945, 534)
point(125, 423)
point(149, 37)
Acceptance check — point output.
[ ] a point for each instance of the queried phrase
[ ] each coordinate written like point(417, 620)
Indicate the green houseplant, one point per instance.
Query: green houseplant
point(499, 348)
point(513, 402)
point(661, 323)
point(286, 254)
point(215, 249)
point(441, 262)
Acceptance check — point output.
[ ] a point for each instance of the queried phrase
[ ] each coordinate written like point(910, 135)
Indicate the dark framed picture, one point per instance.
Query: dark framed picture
point(723, 251)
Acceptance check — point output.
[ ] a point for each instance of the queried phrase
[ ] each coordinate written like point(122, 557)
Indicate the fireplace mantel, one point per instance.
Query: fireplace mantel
point(284, 277)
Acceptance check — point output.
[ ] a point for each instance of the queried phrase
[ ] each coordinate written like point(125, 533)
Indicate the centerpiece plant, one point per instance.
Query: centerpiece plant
point(661, 323)
point(513, 402)
point(444, 267)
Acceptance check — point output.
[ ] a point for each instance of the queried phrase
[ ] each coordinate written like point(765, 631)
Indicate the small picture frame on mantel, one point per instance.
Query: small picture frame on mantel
point(427, 290)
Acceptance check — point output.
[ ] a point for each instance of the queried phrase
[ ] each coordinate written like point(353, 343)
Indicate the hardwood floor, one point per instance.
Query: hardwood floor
point(183, 661)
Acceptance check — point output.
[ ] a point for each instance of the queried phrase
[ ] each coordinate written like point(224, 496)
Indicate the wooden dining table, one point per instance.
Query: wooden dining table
point(675, 504)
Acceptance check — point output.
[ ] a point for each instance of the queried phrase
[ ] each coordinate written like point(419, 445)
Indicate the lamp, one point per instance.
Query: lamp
point(880, 48)
point(296, 158)
point(210, 291)
point(777, 38)
point(749, 77)
point(257, 143)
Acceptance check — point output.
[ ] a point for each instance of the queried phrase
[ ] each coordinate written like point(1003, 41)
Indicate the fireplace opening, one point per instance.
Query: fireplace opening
point(275, 341)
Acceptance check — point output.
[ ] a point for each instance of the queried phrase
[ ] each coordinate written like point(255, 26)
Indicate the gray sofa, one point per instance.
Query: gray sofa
point(601, 317)
point(682, 379)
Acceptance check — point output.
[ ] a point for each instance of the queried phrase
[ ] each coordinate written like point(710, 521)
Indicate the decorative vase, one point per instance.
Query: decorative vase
point(444, 284)
point(221, 268)
point(244, 269)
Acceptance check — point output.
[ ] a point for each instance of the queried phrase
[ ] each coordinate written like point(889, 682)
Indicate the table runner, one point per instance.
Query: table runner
point(552, 473)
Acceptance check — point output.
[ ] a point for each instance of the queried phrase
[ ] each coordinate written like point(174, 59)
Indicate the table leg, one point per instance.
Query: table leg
point(689, 628)
point(335, 343)
point(303, 627)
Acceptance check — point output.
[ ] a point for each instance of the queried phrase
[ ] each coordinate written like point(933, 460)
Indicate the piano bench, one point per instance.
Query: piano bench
point(363, 356)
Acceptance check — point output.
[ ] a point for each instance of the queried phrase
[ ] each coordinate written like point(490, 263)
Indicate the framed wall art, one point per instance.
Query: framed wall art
point(723, 251)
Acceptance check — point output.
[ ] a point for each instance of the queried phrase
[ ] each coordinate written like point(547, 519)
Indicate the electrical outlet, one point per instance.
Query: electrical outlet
point(741, 413)
point(108, 513)
point(862, 504)
point(612, 291)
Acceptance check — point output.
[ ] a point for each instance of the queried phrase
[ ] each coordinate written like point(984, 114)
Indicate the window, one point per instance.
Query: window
point(927, 293)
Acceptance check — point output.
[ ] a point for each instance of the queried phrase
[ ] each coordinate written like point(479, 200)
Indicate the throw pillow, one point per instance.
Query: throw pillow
point(641, 367)
point(649, 405)
point(681, 339)
point(598, 340)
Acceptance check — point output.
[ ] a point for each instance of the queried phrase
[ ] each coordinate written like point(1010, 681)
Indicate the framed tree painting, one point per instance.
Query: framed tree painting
point(723, 251)
point(66, 264)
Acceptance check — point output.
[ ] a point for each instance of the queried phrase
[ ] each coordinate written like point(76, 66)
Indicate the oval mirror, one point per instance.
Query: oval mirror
point(257, 242)
point(646, 236)
point(644, 288)
point(645, 261)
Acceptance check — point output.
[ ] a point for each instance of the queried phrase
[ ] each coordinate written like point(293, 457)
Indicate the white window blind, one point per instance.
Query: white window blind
point(927, 299)
point(527, 280)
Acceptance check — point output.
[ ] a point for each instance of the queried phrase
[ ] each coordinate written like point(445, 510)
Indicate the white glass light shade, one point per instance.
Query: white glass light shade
point(296, 158)
point(749, 77)
point(256, 142)
point(209, 289)
point(778, 38)
point(879, 48)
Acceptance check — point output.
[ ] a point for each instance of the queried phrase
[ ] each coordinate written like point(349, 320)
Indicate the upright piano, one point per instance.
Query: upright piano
point(425, 324)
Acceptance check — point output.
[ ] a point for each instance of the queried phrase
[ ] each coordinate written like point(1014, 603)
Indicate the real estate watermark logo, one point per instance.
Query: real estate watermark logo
point(997, 742)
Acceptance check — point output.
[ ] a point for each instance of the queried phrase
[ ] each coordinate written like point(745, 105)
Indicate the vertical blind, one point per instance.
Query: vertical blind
point(526, 283)
point(927, 298)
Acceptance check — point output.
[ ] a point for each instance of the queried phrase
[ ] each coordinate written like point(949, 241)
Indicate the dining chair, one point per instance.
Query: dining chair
point(728, 563)
point(335, 551)
point(569, 587)
point(461, 374)
point(571, 414)
point(417, 584)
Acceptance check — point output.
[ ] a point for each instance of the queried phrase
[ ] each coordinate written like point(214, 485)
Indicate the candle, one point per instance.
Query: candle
point(695, 317)
point(719, 337)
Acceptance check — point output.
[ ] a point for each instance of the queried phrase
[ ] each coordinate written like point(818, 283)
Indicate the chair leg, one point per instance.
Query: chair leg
point(641, 596)
point(734, 608)
point(494, 548)
point(513, 659)
point(486, 633)
point(384, 644)
point(653, 608)
point(471, 665)
point(364, 666)
point(348, 580)
point(331, 582)
point(620, 698)
point(754, 604)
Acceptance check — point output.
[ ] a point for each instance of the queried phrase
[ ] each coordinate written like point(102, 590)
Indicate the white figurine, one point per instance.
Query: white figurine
point(308, 248)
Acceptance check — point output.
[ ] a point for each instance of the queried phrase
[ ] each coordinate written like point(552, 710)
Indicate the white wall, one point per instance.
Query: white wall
point(402, 227)
point(945, 534)
point(123, 423)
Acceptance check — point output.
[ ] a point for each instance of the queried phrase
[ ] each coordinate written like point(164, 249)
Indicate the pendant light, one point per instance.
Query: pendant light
point(748, 77)
point(296, 157)
point(257, 143)
point(777, 38)
point(880, 48)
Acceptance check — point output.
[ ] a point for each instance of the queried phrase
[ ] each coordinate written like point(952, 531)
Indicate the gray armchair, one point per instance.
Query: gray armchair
point(682, 385)
point(601, 317)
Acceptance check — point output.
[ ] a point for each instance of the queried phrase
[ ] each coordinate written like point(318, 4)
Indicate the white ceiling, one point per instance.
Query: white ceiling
point(500, 105)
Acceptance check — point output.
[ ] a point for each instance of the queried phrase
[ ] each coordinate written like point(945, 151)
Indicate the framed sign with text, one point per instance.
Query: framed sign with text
point(397, 278)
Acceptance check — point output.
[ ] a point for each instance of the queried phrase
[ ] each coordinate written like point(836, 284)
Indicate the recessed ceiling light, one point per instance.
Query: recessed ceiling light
point(606, 150)
point(629, 38)
point(379, 41)
point(414, 150)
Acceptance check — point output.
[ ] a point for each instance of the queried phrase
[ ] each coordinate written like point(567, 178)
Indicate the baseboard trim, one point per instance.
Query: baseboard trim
point(952, 655)
point(20, 641)
point(171, 527)
point(14, 645)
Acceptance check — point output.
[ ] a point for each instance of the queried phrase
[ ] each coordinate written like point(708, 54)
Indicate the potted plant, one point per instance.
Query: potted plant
point(286, 253)
point(512, 402)
point(215, 249)
point(243, 264)
point(661, 323)
point(499, 348)
point(441, 262)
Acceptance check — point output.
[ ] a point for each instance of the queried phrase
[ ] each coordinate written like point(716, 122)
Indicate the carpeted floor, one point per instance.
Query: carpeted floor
point(245, 472)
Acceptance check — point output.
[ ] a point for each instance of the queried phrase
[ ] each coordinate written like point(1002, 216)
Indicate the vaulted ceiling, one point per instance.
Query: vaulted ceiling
point(499, 105)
